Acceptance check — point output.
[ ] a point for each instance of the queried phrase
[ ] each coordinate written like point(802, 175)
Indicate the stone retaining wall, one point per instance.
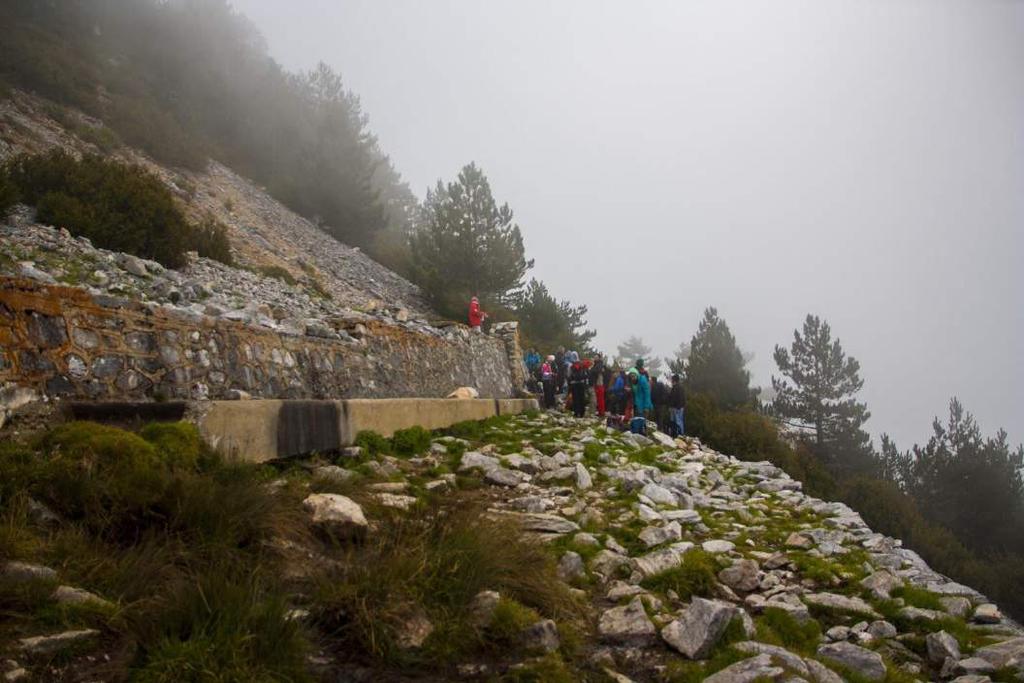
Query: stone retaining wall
point(63, 342)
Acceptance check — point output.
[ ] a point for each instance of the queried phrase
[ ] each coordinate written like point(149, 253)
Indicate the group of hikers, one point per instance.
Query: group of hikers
point(626, 397)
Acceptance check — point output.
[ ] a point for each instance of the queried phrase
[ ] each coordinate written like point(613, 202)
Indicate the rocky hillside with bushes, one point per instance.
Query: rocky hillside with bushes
point(526, 548)
point(276, 254)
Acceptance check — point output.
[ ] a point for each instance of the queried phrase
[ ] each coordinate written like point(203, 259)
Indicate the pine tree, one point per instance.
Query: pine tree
point(817, 391)
point(968, 484)
point(715, 367)
point(677, 363)
point(466, 245)
point(547, 323)
point(633, 349)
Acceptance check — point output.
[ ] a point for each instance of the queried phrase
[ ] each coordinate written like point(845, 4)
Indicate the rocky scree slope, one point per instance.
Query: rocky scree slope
point(686, 565)
point(263, 233)
point(798, 588)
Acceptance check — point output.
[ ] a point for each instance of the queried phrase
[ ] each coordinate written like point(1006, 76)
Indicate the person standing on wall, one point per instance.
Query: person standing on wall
point(476, 316)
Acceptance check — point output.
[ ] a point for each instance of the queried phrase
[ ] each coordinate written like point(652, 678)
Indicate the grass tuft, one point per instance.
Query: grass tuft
point(778, 627)
point(411, 441)
point(436, 559)
point(694, 576)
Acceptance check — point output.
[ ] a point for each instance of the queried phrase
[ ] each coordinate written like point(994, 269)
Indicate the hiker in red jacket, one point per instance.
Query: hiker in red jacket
point(476, 316)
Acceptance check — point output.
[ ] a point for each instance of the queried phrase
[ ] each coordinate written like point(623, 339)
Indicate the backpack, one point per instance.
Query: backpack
point(638, 425)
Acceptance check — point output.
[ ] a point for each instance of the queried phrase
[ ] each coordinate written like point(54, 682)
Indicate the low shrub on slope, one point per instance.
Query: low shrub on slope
point(117, 206)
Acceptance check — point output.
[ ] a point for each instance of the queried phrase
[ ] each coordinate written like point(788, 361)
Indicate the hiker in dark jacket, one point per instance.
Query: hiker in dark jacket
point(547, 378)
point(560, 370)
point(659, 401)
point(676, 407)
point(579, 387)
point(598, 380)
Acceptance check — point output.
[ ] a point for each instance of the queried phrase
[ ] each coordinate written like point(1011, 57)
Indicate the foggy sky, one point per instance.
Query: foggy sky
point(862, 160)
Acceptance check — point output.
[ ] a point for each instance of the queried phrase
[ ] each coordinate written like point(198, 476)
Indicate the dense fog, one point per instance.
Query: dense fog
point(861, 161)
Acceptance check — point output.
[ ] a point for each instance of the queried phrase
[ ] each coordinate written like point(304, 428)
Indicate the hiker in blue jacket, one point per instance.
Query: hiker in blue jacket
point(641, 393)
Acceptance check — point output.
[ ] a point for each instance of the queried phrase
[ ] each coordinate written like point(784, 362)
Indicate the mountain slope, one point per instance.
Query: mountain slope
point(264, 233)
point(525, 548)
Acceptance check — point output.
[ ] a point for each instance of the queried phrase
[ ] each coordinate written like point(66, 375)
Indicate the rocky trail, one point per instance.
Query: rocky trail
point(630, 512)
point(683, 564)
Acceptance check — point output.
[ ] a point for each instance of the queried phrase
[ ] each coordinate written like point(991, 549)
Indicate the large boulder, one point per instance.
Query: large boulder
point(842, 603)
point(717, 546)
point(987, 613)
point(881, 584)
point(627, 625)
point(741, 576)
point(1007, 653)
point(583, 479)
point(474, 460)
point(662, 560)
point(858, 659)
point(656, 535)
point(606, 563)
point(821, 673)
point(336, 515)
point(941, 646)
point(759, 668)
point(695, 633)
point(792, 662)
point(499, 476)
point(659, 494)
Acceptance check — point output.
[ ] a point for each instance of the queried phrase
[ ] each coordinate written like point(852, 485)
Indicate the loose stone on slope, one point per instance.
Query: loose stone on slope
point(45, 645)
point(337, 515)
point(656, 535)
point(627, 625)
point(661, 560)
point(500, 476)
point(858, 659)
point(545, 523)
point(791, 661)
point(68, 595)
point(757, 668)
point(473, 459)
point(1006, 653)
point(22, 572)
point(541, 636)
point(741, 576)
point(987, 613)
point(718, 546)
point(841, 602)
point(881, 584)
point(659, 494)
point(571, 566)
point(695, 633)
point(941, 646)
